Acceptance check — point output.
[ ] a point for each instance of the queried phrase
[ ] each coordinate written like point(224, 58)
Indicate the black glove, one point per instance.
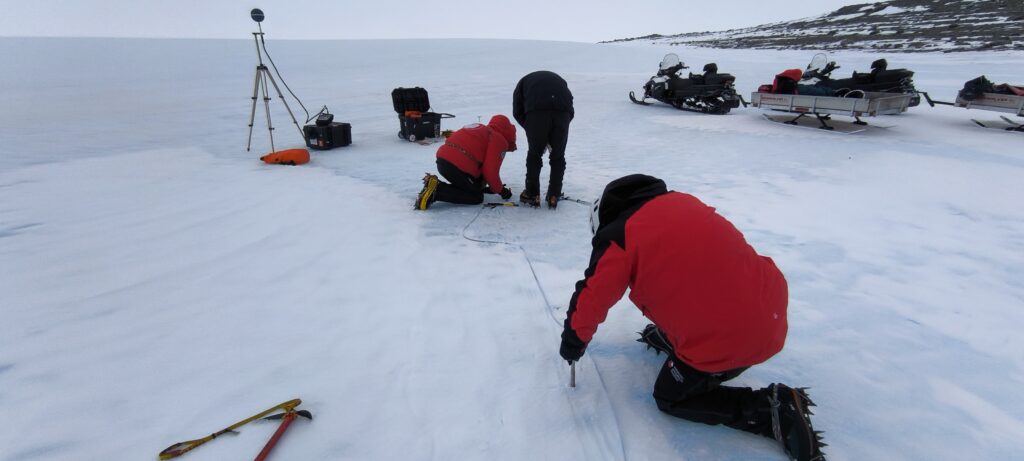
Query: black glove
point(506, 193)
point(572, 347)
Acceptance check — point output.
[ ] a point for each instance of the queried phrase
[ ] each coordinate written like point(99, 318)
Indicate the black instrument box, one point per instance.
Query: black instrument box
point(329, 136)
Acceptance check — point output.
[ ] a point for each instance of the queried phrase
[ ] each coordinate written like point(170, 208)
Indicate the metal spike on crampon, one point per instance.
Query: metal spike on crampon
point(807, 399)
point(654, 338)
point(791, 423)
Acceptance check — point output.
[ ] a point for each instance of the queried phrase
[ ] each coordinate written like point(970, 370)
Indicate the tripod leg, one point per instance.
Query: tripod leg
point(252, 113)
point(285, 101)
point(266, 105)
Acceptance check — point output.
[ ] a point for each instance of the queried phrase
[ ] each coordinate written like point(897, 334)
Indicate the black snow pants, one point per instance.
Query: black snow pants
point(691, 394)
point(546, 128)
point(464, 189)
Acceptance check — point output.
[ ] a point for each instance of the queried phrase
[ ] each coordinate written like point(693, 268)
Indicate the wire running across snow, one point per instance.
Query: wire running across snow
point(267, 54)
point(550, 309)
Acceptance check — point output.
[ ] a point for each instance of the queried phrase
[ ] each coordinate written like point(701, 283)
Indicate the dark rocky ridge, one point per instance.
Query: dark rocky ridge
point(896, 25)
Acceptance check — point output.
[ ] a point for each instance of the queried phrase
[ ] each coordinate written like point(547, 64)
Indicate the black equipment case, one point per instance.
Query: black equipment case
point(326, 133)
point(329, 136)
point(416, 122)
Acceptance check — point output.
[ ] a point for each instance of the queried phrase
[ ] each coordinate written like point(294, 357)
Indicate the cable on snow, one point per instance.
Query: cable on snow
point(550, 308)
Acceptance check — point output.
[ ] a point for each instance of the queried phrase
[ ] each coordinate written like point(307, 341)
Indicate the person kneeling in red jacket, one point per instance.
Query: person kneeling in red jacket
point(717, 306)
point(470, 160)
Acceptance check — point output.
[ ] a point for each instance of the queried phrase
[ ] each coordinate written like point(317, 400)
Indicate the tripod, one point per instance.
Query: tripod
point(260, 86)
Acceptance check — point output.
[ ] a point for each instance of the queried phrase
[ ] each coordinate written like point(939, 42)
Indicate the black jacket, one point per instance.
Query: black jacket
point(541, 90)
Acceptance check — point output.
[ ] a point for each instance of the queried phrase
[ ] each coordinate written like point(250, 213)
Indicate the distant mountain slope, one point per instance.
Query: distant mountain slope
point(896, 25)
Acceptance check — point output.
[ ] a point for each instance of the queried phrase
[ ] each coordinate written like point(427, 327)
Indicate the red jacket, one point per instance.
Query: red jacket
point(721, 305)
point(786, 81)
point(478, 150)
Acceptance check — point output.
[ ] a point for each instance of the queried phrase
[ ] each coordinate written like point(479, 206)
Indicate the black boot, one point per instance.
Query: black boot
point(552, 201)
point(530, 199)
point(791, 423)
point(655, 339)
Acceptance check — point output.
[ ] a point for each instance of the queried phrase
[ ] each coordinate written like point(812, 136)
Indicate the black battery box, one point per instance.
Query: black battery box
point(327, 136)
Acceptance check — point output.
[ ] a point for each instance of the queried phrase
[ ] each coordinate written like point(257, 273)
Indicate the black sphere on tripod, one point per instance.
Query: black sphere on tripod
point(257, 14)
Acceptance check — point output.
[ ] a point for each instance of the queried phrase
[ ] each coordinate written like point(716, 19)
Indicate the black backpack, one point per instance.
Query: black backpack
point(974, 88)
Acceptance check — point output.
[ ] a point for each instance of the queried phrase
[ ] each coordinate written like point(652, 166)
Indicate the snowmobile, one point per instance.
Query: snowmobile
point(709, 93)
point(880, 79)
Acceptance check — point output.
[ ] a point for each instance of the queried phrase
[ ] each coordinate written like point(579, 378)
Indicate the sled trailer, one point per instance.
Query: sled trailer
point(823, 107)
point(995, 102)
point(870, 105)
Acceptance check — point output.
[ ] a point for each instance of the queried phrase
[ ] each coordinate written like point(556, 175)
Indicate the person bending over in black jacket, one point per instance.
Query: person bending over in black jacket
point(542, 105)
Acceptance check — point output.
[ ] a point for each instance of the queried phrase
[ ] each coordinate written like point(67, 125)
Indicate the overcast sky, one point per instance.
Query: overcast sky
point(571, 20)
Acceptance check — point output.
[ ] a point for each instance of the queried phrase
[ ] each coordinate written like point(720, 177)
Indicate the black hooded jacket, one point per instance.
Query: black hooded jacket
point(541, 90)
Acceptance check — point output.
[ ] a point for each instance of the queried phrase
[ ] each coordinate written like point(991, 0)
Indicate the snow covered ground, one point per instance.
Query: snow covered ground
point(158, 283)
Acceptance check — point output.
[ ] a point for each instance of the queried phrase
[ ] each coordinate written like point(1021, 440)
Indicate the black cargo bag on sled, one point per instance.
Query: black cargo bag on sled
point(415, 119)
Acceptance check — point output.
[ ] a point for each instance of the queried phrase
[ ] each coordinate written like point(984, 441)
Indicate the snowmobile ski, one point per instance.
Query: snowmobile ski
point(836, 126)
point(632, 97)
point(1014, 126)
point(1006, 124)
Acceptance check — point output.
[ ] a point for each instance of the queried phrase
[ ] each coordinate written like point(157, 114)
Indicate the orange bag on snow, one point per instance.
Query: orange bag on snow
point(287, 157)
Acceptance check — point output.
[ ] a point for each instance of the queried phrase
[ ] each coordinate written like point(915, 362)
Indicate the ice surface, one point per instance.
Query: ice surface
point(158, 283)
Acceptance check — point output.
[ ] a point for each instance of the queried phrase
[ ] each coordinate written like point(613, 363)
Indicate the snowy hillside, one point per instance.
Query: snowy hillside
point(158, 283)
point(896, 25)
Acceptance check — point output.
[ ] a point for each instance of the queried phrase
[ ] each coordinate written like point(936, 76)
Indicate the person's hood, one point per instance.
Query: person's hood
point(792, 74)
point(501, 125)
point(627, 192)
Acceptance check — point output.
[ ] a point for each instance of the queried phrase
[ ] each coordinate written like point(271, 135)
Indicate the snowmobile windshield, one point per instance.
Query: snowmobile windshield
point(813, 72)
point(669, 61)
point(818, 62)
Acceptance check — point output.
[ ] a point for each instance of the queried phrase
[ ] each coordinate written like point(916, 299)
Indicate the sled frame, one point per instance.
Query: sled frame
point(995, 102)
